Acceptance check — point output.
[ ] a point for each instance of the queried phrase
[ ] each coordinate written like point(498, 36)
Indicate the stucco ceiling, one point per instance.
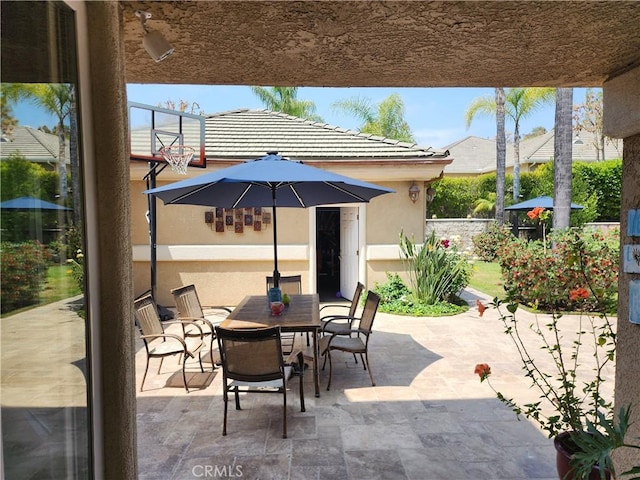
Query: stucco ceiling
point(395, 43)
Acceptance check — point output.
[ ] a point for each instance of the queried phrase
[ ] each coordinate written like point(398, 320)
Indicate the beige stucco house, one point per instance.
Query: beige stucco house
point(34, 145)
point(332, 247)
point(475, 155)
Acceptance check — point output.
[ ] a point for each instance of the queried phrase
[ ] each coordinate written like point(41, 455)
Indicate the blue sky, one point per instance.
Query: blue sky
point(435, 115)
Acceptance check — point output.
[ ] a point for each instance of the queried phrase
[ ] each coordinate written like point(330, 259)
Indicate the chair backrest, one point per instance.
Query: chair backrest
point(369, 312)
point(356, 299)
point(187, 302)
point(146, 316)
point(251, 355)
point(291, 285)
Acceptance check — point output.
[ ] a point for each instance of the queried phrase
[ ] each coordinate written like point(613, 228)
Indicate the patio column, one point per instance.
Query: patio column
point(113, 330)
point(622, 120)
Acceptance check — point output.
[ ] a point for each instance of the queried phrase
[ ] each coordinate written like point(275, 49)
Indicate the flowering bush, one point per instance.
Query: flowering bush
point(437, 271)
point(24, 271)
point(486, 244)
point(543, 278)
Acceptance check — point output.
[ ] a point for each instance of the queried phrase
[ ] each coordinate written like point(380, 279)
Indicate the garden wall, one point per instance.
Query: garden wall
point(460, 229)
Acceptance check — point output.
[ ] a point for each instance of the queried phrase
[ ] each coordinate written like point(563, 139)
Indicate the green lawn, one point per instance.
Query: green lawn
point(487, 278)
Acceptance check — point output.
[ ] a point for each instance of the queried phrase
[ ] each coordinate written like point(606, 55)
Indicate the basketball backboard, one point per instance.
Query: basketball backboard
point(152, 128)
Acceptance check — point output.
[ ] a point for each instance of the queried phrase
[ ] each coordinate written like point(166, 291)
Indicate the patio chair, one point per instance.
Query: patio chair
point(189, 308)
point(291, 285)
point(252, 361)
point(159, 344)
point(341, 324)
point(358, 343)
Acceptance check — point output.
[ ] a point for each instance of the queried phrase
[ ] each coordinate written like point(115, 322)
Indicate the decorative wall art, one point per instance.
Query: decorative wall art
point(208, 217)
point(266, 218)
point(248, 220)
point(223, 219)
point(634, 301)
point(219, 226)
point(257, 226)
point(239, 228)
point(633, 223)
point(631, 258)
point(219, 212)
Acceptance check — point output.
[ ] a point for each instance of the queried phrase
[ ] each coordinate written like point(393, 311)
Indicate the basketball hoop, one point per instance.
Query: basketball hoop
point(178, 156)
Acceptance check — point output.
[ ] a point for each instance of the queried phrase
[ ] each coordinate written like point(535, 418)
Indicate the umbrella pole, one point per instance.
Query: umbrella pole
point(276, 274)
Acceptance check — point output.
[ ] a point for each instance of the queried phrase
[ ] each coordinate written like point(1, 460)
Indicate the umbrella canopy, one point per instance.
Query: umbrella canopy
point(543, 201)
point(269, 181)
point(30, 203)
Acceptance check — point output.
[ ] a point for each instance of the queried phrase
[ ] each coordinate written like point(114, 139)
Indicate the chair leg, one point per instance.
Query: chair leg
point(236, 391)
point(200, 359)
point(284, 413)
point(184, 374)
point(160, 366)
point(145, 374)
point(330, 369)
point(368, 368)
point(225, 397)
point(302, 406)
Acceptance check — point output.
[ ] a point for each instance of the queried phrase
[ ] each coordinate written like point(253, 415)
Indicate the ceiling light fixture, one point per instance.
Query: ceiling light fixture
point(154, 42)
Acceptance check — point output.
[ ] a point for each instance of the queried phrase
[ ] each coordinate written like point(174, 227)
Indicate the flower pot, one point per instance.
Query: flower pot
point(565, 448)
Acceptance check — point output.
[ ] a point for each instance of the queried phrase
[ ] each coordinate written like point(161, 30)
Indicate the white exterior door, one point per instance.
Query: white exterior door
point(349, 250)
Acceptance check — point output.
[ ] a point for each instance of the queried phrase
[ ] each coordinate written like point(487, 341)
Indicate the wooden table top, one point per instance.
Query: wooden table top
point(302, 314)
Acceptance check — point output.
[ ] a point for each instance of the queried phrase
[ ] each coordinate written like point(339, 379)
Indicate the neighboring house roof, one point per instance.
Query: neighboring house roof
point(245, 134)
point(474, 155)
point(33, 144)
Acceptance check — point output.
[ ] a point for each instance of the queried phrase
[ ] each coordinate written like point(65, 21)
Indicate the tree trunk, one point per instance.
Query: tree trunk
point(562, 157)
point(501, 153)
point(516, 163)
point(74, 160)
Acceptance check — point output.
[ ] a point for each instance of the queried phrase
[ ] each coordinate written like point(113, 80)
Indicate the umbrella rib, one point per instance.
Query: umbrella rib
point(242, 195)
point(356, 197)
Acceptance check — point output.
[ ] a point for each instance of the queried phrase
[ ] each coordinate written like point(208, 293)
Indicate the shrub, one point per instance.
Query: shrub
point(485, 244)
point(24, 272)
point(77, 269)
point(437, 272)
point(543, 277)
point(396, 298)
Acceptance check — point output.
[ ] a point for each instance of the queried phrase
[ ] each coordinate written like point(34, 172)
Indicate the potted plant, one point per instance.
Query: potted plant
point(571, 408)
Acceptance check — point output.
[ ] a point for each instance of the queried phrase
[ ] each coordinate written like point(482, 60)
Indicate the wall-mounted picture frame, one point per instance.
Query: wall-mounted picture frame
point(208, 217)
point(238, 214)
point(228, 220)
point(248, 220)
point(266, 218)
point(257, 225)
point(219, 226)
point(257, 211)
point(239, 228)
point(219, 212)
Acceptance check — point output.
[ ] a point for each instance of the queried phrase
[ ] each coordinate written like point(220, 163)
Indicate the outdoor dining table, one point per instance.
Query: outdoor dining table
point(301, 315)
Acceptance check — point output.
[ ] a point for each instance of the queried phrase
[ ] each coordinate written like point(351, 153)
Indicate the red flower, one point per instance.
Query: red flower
point(481, 307)
point(535, 213)
point(483, 371)
point(578, 293)
point(445, 243)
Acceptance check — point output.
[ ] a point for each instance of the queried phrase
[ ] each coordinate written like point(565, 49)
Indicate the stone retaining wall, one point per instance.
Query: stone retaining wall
point(461, 230)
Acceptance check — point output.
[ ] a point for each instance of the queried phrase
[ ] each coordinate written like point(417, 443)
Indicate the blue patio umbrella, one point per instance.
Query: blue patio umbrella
point(269, 181)
point(543, 201)
point(26, 204)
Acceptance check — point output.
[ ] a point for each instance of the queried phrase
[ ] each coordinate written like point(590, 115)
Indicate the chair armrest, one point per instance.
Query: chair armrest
point(184, 321)
point(334, 305)
point(216, 307)
point(195, 320)
point(167, 336)
point(337, 318)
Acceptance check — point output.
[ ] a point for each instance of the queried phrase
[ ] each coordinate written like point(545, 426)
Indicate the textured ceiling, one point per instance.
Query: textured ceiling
point(395, 43)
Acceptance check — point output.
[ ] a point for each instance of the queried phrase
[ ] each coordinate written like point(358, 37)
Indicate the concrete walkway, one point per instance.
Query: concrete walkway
point(428, 417)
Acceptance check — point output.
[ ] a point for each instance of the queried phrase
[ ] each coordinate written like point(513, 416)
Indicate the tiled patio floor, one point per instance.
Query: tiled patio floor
point(428, 417)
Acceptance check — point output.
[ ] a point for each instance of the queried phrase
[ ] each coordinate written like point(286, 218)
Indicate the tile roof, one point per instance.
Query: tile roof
point(475, 155)
point(246, 134)
point(33, 144)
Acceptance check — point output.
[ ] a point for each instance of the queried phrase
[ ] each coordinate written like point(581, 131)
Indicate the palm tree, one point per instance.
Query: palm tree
point(519, 103)
point(562, 158)
point(284, 99)
point(501, 155)
point(385, 119)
